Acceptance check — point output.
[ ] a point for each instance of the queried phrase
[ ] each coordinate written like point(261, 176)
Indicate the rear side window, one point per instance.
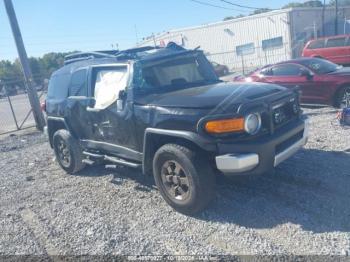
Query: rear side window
point(336, 42)
point(58, 86)
point(286, 70)
point(78, 83)
point(316, 44)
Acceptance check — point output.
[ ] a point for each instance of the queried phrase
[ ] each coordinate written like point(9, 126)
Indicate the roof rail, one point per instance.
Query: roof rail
point(86, 55)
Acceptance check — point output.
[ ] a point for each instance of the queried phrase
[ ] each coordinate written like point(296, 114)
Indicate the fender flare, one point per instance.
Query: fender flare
point(61, 120)
point(150, 133)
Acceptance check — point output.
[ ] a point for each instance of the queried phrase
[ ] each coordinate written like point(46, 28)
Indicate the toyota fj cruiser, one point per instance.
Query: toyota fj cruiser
point(164, 110)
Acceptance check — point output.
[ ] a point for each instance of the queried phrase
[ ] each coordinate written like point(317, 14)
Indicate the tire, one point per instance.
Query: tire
point(68, 152)
point(200, 183)
point(339, 96)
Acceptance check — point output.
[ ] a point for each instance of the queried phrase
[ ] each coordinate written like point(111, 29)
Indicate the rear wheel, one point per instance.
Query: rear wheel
point(184, 178)
point(341, 97)
point(68, 152)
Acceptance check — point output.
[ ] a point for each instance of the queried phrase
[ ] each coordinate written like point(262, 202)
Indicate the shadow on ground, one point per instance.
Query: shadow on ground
point(311, 190)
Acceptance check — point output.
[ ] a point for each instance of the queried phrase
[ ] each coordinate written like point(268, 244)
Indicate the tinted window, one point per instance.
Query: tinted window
point(320, 66)
point(286, 70)
point(266, 72)
point(245, 49)
point(316, 44)
point(336, 42)
point(178, 73)
point(78, 85)
point(272, 43)
point(58, 86)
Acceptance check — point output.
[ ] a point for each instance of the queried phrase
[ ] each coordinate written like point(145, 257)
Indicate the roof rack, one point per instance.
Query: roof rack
point(87, 55)
point(116, 54)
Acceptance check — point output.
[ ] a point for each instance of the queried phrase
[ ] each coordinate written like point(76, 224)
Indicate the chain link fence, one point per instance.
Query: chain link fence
point(250, 59)
point(15, 110)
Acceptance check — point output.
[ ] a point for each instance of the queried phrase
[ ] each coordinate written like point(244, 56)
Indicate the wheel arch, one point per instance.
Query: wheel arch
point(155, 138)
point(54, 124)
point(337, 90)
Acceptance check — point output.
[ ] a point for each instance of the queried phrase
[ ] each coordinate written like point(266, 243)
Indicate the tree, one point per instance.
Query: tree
point(260, 11)
point(316, 3)
point(233, 17)
point(42, 68)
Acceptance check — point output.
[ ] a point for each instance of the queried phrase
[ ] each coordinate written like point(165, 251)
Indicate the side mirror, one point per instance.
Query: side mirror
point(121, 100)
point(307, 74)
point(91, 104)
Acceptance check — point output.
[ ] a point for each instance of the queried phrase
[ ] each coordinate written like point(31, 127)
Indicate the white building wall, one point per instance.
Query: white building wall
point(220, 40)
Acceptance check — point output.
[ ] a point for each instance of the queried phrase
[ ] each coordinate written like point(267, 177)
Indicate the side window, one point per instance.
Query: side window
point(108, 82)
point(316, 44)
point(286, 70)
point(78, 86)
point(336, 42)
point(348, 42)
point(58, 86)
point(266, 72)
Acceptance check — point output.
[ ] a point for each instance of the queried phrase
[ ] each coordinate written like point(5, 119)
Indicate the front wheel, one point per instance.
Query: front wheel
point(184, 178)
point(341, 97)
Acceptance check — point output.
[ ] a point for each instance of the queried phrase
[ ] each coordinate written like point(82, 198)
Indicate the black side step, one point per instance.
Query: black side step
point(112, 159)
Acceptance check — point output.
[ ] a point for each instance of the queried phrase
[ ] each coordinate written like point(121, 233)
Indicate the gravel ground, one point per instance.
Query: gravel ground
point(302, 208)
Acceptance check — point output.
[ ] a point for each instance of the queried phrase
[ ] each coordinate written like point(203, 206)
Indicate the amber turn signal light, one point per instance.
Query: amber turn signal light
point(225, 126)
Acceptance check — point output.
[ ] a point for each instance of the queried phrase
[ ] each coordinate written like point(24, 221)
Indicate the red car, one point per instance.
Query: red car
point(320, 81)
point(335, 49)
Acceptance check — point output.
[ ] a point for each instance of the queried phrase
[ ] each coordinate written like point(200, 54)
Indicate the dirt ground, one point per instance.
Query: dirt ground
point(301, 208)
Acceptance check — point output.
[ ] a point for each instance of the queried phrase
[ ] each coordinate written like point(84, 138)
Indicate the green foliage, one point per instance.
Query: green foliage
point(233, 17)
point(304, 4)
point(42, 67)
point(260, 11)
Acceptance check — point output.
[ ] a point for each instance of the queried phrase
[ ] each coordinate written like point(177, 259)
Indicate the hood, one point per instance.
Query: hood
point(344, 71)
point(210, 96)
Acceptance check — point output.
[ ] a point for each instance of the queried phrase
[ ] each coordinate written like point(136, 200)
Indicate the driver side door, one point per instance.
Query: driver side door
point(111, 115)
point(292, 76)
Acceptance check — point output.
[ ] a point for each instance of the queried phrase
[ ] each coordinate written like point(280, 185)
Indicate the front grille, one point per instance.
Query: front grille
point(284, 113)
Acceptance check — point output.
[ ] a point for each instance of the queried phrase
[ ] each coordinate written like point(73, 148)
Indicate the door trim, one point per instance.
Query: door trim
point(120, 151)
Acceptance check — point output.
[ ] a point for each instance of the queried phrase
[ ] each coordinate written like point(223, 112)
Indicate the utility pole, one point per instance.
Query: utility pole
point(315, 30)
point(336, 18)
point(28, 77)
point(323, 18)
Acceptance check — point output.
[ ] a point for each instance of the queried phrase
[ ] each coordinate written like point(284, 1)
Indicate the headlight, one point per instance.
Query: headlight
point(252, 123)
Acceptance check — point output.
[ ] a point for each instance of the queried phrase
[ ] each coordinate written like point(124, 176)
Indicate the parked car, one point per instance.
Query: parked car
point(220, 70)
point(335, 49)
point(165, 112)
point(320, 81)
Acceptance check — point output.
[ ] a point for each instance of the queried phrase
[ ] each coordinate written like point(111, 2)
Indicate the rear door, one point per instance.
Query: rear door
point(336, 50)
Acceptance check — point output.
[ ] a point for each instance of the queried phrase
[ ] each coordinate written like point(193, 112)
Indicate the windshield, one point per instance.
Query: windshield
point(178, 73)
point(320, 66)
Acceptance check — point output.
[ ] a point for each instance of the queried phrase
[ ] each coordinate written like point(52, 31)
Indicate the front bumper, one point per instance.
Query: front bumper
point(260, 156)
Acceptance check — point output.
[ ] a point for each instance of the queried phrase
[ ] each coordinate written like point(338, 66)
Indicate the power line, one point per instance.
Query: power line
point(238, 5)
point(217, 6)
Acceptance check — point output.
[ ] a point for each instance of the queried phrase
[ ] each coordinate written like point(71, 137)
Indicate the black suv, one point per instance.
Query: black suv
point(164, 110)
